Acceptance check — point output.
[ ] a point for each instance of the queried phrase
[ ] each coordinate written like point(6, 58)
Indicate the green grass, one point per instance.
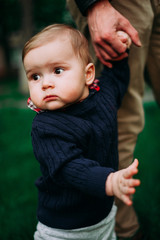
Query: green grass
point(147, 197)
point(18, 196)
point(19, 169)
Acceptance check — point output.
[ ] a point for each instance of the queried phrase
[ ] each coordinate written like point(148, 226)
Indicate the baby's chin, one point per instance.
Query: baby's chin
point(54, 107)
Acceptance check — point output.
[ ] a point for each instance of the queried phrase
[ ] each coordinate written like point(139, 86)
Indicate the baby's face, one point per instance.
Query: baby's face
point(56, 76)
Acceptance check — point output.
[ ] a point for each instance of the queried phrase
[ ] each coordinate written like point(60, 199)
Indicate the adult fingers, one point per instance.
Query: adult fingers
point(106, 49)
point(105, 56)
point(131, 31)
point(122, 56)
point(116, 44)
point(104, 60)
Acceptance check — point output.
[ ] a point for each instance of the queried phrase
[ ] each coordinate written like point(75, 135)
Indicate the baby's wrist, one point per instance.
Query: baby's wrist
point(109, 185)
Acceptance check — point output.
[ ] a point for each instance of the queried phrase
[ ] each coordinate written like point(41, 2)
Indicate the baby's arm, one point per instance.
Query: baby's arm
point(121, 183)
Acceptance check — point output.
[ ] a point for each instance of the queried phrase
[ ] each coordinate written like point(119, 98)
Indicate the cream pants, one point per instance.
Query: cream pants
point(103, 230)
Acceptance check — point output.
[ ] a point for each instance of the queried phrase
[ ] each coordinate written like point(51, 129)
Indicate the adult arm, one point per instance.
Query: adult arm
point(104, 21)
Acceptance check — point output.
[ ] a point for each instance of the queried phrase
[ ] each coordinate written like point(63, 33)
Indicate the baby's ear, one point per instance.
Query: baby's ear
point(90, 73)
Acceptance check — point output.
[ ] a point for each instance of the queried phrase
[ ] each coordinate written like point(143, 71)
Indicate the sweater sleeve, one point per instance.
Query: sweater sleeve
point(84, 5)
point(63, 162)
point(116, 80)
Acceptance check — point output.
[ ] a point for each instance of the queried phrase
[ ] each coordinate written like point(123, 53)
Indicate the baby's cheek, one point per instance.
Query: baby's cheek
point(71, 96)
point(71, 93)
point(35, 99)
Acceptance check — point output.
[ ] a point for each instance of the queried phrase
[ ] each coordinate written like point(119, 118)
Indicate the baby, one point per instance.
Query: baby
point(74, 136)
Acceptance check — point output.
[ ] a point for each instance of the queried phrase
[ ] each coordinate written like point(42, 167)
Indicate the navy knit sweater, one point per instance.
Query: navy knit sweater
point(77, 150)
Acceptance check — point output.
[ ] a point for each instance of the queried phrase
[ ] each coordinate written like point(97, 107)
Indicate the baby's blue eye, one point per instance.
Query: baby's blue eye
point(35, 77)
point(58, 70)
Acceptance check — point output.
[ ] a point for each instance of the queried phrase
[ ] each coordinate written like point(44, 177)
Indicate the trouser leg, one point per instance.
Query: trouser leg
point(130, 124)
point(130, 116)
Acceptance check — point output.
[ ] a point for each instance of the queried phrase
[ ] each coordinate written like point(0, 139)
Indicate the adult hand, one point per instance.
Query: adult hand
point(121, 183)
point(104, 21)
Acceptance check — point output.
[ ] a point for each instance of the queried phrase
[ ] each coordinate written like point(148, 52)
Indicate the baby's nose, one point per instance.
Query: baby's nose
point(47, 82)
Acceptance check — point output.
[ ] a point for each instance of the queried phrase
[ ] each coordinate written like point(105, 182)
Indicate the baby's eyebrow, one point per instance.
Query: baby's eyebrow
point(29, 70)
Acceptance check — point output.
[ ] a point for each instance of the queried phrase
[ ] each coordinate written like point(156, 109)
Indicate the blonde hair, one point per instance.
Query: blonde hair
point(50, 33)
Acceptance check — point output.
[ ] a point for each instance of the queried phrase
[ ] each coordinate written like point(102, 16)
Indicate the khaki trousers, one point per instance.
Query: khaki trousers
point(144, 15)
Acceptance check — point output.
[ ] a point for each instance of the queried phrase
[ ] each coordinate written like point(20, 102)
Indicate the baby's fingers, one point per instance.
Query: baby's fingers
point(136, 182)
point(133, 182)
point(131, 170)
point(127, 190)
point(126, 199)
point(135, 163)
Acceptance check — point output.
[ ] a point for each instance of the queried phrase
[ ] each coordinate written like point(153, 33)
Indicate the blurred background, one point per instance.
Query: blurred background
point(19, 20)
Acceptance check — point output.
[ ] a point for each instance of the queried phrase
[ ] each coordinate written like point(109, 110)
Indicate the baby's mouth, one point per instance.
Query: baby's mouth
point(50, 98)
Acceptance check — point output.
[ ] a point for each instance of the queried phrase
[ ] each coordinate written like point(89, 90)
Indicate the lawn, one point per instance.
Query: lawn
point(19, 169)
point(147, 198)
point(17, 174)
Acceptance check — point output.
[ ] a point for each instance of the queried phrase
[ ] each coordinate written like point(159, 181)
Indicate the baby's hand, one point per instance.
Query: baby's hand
point(121, 183)
point(125, 38)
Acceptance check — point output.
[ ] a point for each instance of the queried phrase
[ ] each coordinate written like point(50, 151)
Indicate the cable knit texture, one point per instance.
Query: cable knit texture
point(77, 150)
